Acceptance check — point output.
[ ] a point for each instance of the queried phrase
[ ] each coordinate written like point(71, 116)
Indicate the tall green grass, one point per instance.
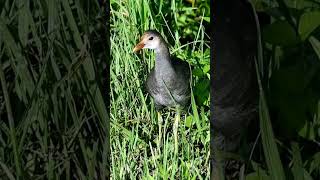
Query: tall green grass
point(54, 120)
point(146, 144)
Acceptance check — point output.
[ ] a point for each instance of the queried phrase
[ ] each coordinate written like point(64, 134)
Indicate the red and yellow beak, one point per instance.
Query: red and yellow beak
point(138, 47)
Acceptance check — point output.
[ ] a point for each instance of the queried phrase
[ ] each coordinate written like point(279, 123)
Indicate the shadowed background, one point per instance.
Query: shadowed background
point(283, 141)
point(54, 118)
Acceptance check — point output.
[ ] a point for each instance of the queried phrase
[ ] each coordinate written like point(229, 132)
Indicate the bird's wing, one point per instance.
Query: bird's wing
point(181, 67)
point(150, 85)
point(183, 73)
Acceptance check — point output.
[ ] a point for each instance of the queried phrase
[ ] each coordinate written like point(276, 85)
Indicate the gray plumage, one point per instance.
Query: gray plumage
point(169, 81)
point(234, 84)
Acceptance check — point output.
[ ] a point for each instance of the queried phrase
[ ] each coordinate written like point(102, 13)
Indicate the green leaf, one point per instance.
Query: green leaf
point(206, 68)
point(307, 131)
point(259, 173)
point(316, 45)
point(297, 168)
point(188, 122)
point(270, 148)
point(306, 175)
point(197, 72)
point(202, 90)
point(7, 171)
point(315, 163)
point(280, 33)
point(268, 141)
point(206, 19)
point(195, 111)
point(309, 21)
point(300, 4)
point(291, 97)
point(23, 26)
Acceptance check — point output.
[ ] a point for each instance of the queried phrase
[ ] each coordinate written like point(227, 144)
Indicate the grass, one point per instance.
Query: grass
point(53, 107)
point(54, 119)
point(287, 144)
point(285, 148)
point(271, 152)
point(146, 144)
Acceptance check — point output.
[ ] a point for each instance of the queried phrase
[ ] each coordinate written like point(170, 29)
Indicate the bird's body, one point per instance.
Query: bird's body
point(169, 81)
point(234, 85)
point(179, 90)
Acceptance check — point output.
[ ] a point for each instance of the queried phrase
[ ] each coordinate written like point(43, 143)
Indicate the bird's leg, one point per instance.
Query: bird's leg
point(217, 165)
point(160, 120)
point(175, 130)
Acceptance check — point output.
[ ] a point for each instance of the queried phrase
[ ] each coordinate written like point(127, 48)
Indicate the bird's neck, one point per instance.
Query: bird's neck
point(163, 66)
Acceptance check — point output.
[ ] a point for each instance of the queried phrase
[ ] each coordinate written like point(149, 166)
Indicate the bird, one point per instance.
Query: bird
point(169, 80)
point(234, 85)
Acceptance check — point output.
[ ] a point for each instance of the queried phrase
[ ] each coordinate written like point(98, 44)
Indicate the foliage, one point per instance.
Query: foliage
point(290, 79)
point(54, 120)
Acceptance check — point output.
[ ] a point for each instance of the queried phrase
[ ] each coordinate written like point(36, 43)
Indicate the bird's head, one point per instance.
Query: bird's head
point(151, 39)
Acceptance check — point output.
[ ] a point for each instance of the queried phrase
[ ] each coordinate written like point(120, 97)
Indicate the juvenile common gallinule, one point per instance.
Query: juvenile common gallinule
point(234, 85)
point(169, 81)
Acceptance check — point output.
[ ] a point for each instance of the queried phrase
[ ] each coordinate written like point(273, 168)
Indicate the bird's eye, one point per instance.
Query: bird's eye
point(151, 38)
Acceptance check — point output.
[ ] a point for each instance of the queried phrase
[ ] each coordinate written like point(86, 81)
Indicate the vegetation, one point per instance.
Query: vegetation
point(53, 109)
point(287, 146)
point(145, 144)
point(54, 119)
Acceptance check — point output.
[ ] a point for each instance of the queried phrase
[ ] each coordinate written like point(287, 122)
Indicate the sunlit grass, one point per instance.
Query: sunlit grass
point(145, 143)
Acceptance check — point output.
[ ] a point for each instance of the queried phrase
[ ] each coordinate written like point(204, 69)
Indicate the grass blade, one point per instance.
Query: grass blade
point(11, 122)
point(268, 140)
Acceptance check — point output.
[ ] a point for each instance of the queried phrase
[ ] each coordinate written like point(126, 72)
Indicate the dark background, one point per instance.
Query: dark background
point(282, 142)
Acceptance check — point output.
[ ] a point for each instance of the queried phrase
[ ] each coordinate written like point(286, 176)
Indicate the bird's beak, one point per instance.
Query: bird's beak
point(139, 46)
